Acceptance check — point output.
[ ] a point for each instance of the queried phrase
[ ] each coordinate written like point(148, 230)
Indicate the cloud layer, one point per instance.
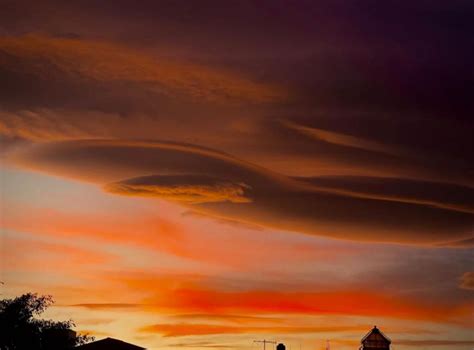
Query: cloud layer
point(236, 169)
point(365, 209)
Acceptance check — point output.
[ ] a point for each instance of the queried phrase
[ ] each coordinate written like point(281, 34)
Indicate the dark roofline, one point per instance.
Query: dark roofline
point(376, 330)
point(109, 339)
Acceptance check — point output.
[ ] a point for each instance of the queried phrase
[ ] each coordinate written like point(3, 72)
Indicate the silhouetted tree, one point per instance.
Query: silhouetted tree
point(21, 329)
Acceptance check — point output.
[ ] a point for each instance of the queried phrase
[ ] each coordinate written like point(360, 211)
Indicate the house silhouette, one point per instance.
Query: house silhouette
point(375, 340)
point(109, 344)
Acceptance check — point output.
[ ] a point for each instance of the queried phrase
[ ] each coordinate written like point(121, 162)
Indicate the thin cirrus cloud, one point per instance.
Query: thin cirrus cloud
point(187, 329)
point(106, 306)
point(193, 295)
point(31, 255)
point(265, 198)
point(189, 296)
point(361, 146)
point(142, 229)
point(342, 139)
point(440, 195)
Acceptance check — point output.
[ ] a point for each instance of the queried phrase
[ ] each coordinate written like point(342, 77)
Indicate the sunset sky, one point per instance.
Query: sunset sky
point(200, 174)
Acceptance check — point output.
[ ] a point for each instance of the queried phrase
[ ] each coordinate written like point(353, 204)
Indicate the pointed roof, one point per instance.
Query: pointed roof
point(376, 335)
point(109, 344)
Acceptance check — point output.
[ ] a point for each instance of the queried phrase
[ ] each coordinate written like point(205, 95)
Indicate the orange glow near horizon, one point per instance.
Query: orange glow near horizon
point(207, 303)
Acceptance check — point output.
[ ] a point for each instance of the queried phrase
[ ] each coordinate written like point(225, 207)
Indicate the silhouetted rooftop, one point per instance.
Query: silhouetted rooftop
point(375, 337)
point(109, 344)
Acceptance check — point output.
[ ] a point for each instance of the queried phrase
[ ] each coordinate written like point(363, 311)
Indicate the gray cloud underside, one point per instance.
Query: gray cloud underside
point(366, 209)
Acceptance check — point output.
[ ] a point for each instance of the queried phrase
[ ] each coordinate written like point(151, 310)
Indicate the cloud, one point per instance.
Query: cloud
point(93, 321)
point(217, 306)
point(362, 105)
point(342, 139)
point(106, 89)
point(361, 210)
point(187, 329)
point(195, 298)
point(106, 306)
point(467, 281)
point(434, 194)
point(144, 229)
point(181, 188)
point(45, 124)
point(33, 254)
point(376, 146)
point(201, 344)
point(361, 144)
point(458, 244)
point(229, 318)
point(207, 295)
point(78, 61)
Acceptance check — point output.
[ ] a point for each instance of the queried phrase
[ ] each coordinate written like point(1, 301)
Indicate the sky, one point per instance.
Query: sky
point(201, 174)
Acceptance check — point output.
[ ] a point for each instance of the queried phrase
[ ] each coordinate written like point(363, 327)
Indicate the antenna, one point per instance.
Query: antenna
point(265, 342)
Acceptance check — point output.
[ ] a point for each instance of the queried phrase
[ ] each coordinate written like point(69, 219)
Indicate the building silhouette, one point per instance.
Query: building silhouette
point(375, 340)
point(109, 344)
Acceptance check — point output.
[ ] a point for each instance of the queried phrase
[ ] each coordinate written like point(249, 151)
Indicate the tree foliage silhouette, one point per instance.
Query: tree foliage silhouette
point(21, 329)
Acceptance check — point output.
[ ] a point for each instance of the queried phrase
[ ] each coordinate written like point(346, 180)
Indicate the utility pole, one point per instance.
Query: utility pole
point(265, 342)
point(328, 346)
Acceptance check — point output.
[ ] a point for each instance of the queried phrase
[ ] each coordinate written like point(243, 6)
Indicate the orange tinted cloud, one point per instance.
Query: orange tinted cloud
point(43, 124)
point(190, 295)
point(36, 255)
point(109, 228)
point(342, 139)
point(426, 193)
point(230, 318)
point(185, 329)
point(144, 229)
point(106, 306)
point(107, 62)
point(186, 189)
point(271, 199)
point(467, 281)
point(348, 303)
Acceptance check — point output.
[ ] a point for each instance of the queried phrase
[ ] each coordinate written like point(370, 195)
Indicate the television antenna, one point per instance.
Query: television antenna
point(265, 342)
